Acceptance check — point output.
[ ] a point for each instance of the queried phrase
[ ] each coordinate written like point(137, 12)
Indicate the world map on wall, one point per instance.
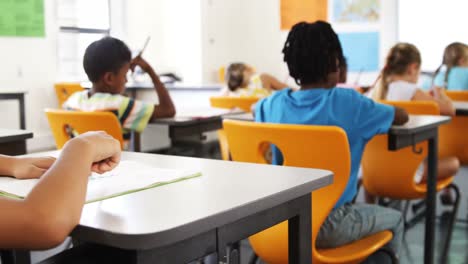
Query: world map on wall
point(356, 11)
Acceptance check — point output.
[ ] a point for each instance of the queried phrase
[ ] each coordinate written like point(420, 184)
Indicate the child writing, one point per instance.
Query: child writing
point(53, 208)
point(107, 62)
point(243, 81)
point(455, 62)
point(398, 82)
point(313, 53)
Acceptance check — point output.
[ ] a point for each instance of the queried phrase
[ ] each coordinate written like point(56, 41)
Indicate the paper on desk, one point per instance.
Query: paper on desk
point(206, 112)
point(128, 177)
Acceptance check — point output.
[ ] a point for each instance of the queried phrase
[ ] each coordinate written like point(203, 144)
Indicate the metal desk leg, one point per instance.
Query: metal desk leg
point(22, 112)
point(300, 234)
point(431, 201)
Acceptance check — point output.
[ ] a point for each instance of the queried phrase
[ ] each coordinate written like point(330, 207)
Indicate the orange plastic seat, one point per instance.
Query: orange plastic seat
point(381, 177)
point(391, 173)
point(60, 121)
point(457, 95)
point(452, 136)
point(222, 74)
point(323, 147)
point(65, 90)
point(244, 103)
point(453, 140)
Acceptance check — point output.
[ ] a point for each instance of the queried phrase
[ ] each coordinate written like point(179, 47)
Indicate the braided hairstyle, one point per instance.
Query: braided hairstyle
point(311, 52)
point(398, 59)
point(453, 53)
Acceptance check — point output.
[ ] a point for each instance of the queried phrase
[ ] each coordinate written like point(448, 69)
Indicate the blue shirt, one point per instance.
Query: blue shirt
point(360, 117)
point(457, 79)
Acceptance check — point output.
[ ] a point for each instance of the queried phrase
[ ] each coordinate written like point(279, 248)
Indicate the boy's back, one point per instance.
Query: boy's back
point(360, 117)
point(133, 115)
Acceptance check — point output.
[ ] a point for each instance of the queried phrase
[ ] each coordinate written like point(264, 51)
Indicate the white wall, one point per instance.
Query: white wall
point(30, 64)
point(175, 30)
point(249, 31)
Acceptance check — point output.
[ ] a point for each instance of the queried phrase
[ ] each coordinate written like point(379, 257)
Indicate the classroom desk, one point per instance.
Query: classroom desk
point(418, 129)
point(134, 87)
point(16, 95)
point(13, 141)
point(180, 222)
point(189, 124)
point(461, 108)
point(421, 128)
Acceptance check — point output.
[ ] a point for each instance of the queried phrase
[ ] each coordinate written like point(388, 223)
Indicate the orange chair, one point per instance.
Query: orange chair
point(457, 95)
point(391, 173)
point(60, 122)
point(244, 103)
point(222, 74)
point(64, 90)
point(322, 147)
point(453, 140)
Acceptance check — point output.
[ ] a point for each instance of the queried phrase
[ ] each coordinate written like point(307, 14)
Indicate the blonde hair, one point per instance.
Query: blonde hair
point(453, 53)
point(398, 59)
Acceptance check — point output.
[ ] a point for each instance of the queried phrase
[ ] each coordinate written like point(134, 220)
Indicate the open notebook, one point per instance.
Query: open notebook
point(127, 177)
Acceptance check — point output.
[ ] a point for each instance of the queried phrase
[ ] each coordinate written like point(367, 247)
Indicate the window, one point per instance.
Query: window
point(80, 23)
point(431, 26)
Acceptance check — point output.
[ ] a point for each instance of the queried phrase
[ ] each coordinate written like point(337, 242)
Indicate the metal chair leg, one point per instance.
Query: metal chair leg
point(253, 258)
point(233, 254)
point(391, 254)
point(448, 239)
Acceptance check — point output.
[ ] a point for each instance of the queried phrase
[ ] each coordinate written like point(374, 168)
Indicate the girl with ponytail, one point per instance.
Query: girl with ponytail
point(452, 74)
point(398, 82)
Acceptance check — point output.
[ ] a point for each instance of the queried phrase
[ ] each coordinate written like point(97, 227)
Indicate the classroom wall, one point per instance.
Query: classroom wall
point(175, 30)
point(249, 31)
point(30, 64)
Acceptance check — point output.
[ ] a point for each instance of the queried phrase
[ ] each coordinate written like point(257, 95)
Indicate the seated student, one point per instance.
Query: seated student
point(453, 73)
point(312, 53)
point(53, 208)
point(107, 62)
point(398, 82)
point(243, 81)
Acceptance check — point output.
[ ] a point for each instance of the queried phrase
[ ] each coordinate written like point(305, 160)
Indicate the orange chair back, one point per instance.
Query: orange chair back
point(222, 74)
point(453, 140)
point(457, 95)
point(244, 103)
point(391, 173)
point(323, 147)
point(65, 90)
point(60, 122)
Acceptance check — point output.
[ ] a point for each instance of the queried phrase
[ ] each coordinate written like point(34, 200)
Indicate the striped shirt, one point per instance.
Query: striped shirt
point(133, 115)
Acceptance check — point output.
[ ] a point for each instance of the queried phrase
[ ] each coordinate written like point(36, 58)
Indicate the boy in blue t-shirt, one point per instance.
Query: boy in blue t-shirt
point(312, 53)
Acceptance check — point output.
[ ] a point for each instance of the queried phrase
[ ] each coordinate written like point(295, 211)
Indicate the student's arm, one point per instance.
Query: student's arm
point(24, 168)
point(53, 208)
point(166, 107)
point(271, 82)
point(444, 102)
point(401, 116)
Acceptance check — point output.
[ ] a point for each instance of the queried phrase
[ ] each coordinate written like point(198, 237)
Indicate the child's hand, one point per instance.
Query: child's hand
point(104, 149)
point(31, 168)
point(139, 61)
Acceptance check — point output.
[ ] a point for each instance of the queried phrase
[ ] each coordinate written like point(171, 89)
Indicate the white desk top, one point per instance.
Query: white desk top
point(461, 105)
point(418, 123)
point(6, 92)
point(226, 192)
point(10, 135)
point(189, 115)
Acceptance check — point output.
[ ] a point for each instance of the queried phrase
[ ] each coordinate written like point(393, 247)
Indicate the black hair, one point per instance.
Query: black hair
point(105, 55)
point(235, 75)
point(311, 51)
